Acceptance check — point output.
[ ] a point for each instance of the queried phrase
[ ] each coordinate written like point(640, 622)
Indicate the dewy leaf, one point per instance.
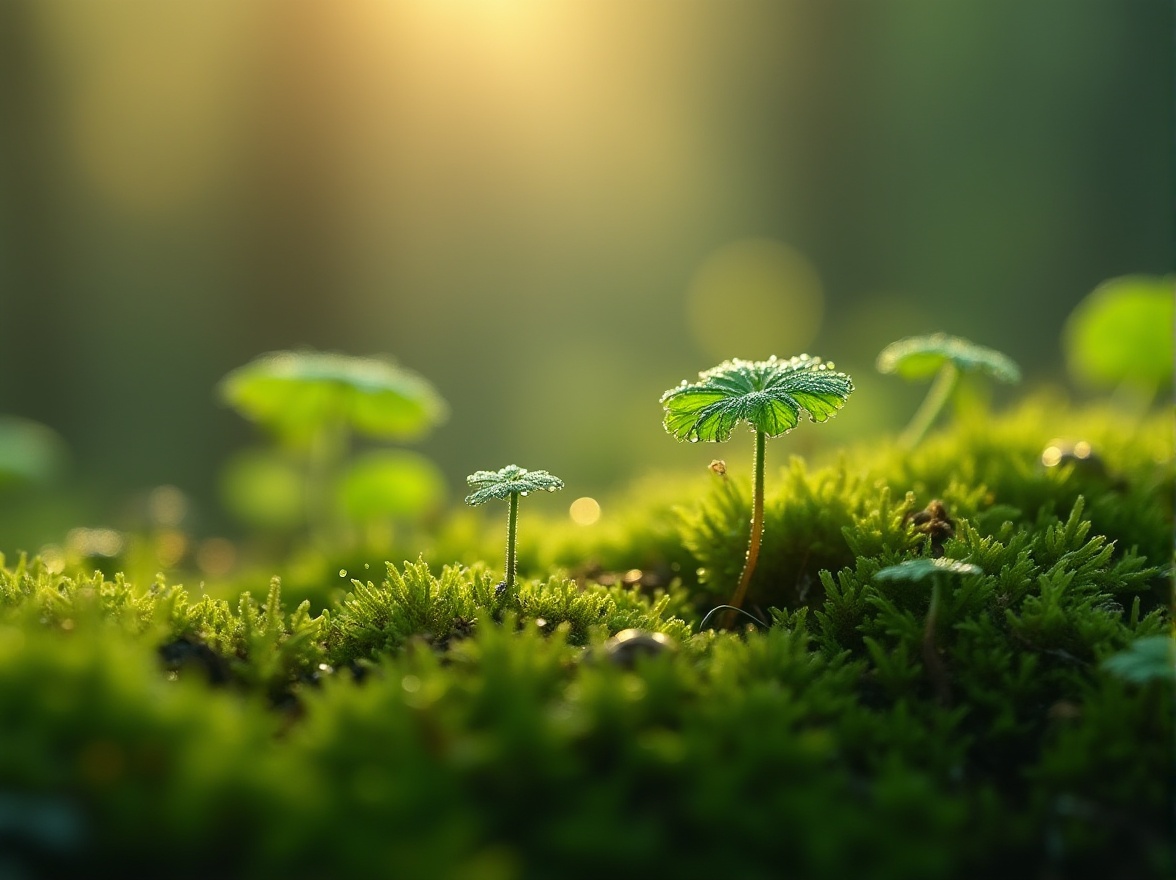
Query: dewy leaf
point(511, 480)
point(916, 569)
point(295, 393)
point(768, 395)
point(1122, 332)
point(920, 357)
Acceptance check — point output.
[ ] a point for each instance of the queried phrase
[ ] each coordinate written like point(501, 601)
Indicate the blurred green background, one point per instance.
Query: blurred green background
point(553, 210)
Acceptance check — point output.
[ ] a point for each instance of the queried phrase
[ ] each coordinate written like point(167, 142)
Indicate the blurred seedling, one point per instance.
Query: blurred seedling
point(946, 358)
point(312, 403)
point(939, 571)
point(508, 484)
point(1120, 338)
point(766, 395)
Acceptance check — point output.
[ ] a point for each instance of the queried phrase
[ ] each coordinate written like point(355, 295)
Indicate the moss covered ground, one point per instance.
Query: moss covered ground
point(420, 725)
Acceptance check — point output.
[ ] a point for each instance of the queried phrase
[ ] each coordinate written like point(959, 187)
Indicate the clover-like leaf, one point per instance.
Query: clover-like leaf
point(767, 395)
point(1152, 658)
point(914, 570)
point(920, 357)
point(511, 480)
point(296, 393)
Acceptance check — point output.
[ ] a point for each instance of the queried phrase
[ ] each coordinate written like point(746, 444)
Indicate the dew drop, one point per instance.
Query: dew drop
point(342, 572)
point(524, 493)
point(693, 439)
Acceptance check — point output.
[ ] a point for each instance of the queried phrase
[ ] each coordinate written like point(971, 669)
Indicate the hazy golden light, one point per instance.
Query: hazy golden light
point(754, 298)
point(216, 556)
point(584, 511)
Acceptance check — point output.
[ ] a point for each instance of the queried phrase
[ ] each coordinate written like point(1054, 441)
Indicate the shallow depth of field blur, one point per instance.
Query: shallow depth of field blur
point(553, 211)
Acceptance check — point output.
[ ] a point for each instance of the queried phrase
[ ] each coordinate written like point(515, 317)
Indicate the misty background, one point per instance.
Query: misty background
point(553, 210)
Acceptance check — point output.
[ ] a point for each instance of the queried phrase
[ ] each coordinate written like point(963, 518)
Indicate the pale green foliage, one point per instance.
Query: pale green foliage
point(1148, 659)
point(296, 392)
point(1122, 333)
point(920, 357)
point(768, 395)
point(915, 570)
point(510, 480)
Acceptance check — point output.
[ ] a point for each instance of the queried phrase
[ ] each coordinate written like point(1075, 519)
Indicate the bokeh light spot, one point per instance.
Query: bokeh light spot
point(584, 511)
point(754, 298)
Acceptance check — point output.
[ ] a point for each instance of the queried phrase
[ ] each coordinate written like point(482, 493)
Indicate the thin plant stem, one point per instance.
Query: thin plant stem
point(936, 670)
point(757, 523)
point(932, 405)
point(511, 528)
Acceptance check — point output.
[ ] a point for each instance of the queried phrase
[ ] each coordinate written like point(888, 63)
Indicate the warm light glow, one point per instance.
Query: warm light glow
point(216, 556)
point(755, 298)
point(584, 511)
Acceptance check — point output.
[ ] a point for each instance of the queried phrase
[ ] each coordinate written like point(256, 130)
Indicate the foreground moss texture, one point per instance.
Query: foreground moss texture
point(424, 727)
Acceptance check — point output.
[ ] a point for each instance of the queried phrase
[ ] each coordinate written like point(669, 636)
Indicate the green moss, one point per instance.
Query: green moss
point(423, 726)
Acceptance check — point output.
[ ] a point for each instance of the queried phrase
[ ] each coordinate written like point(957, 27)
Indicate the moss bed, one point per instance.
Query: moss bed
point(421, 727)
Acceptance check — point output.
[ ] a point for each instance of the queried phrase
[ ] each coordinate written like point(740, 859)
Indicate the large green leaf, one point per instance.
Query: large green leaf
point(297, 393)
point(395, 484)
point(768, 395)
point(1122, 333)
point(511, 480)
point(920, 357)
point(917, 569)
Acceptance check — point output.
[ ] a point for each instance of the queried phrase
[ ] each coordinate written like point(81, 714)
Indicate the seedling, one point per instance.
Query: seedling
point(313, 401)
point(767, 395)
point(939, 570)
point(508, 484)
point(946, 358)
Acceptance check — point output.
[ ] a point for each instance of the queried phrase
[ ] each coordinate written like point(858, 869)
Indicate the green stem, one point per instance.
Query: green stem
point(932, 405)
point(936, 670)
point(511, 528)
point(757, 523)
point(327, 449)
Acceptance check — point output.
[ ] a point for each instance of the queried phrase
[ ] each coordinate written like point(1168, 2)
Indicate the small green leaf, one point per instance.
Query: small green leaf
point(510, 480)
point(1148, 659)
point(768, 395)
point(297, 393)
point(920, 357)
point(29, 451)
point(1122, 333)
point(913, 570)
point(395, 484)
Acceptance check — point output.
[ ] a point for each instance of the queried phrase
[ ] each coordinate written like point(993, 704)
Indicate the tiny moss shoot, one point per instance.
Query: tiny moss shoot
point(508, 484)
point(769, 396)
point(946, 358)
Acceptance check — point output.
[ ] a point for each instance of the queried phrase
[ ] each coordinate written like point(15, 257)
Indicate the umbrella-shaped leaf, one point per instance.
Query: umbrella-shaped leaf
point(767, 395)
point(296, 393)
point(1122, 332)
point(391, 483)
point(511, 480)
point(920, 357)
point(913, 570)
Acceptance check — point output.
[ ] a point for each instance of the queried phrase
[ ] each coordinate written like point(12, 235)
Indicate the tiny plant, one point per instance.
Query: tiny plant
point(508, 484)
point(313, 402)
point(946, 358)
point(767, 395)
point(939, 570)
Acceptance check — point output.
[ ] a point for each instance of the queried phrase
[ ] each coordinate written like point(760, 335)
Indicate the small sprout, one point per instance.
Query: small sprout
point(1120, 336)
point(625, 647)
point(938, 570)
point(946, 358)
point(766, 395)
point(508, 484)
